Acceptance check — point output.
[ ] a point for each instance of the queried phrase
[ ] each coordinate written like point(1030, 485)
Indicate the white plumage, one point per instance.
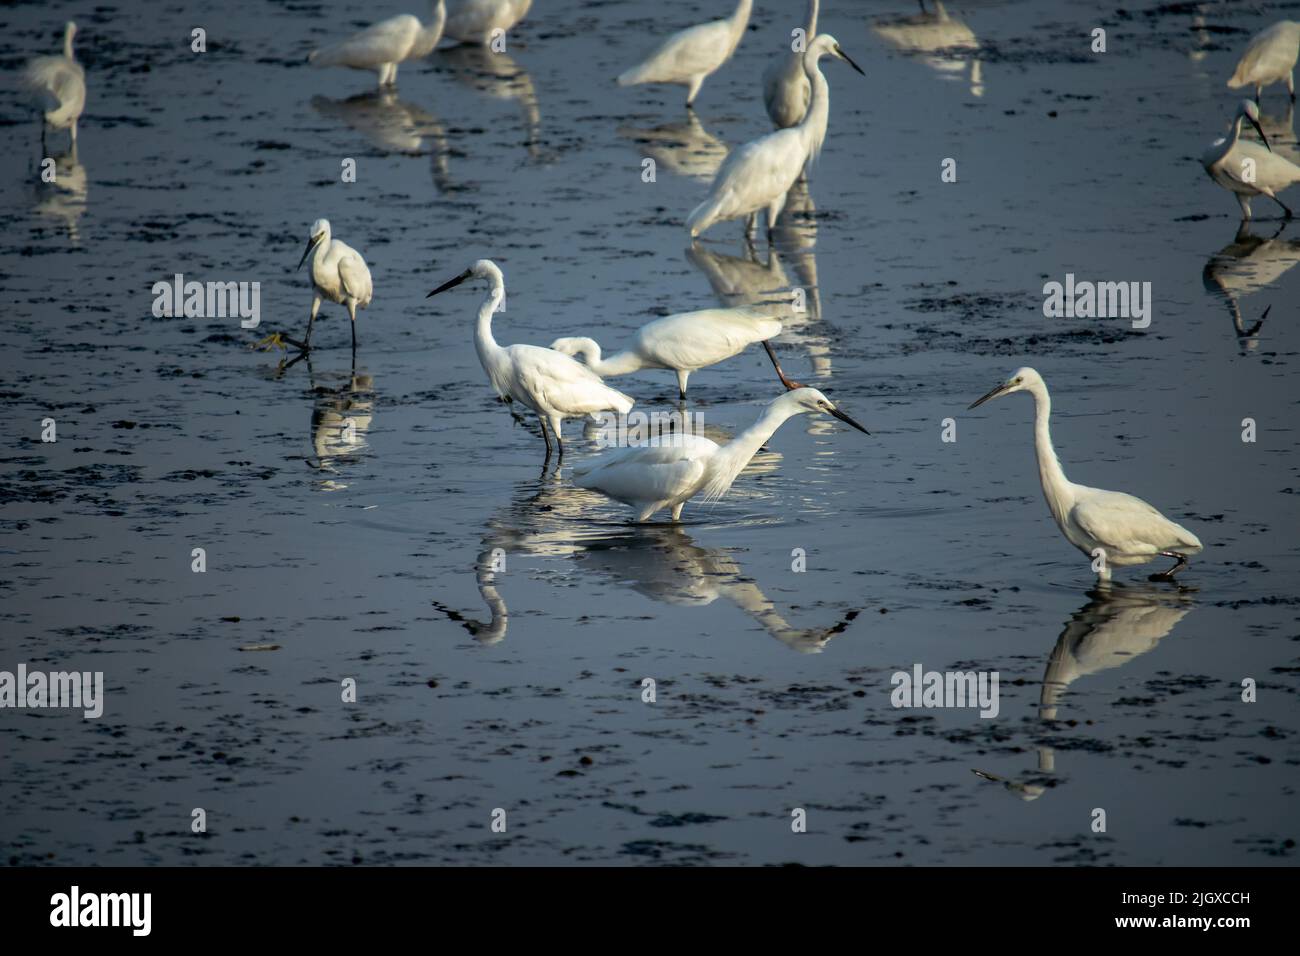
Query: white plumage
point(1127, 529)
point(475, 21)
point(674, 468)
point(759, 174)
point(1270, 58)
point(384, 45)
point(786, 90)
point(338, 273)
point(57, 85)
point(550, 383)
point(688, 57)
point(1248, 169)
point(684, 342)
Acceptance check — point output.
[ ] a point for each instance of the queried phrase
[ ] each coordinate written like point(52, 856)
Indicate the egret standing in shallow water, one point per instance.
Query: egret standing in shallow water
point(475, 21)
point(58, 87)
point(786, 90)
point(1248, 169)
point(684, 342)
point(759, 174)
point(1270, 58)
point(551, 383)
point(675, 468)
point(338, 273)
point(1126, 529)
point(386, 44)
point(687, 58)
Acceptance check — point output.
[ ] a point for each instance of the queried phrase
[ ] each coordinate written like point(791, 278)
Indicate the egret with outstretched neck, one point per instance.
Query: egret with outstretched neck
point(386, 44)
point(1247, 169)
point(786, 90)
point(552, 384)
point(57, 85)
point(688, 58)
point(1113, 528)
point(1269, 58)
point(683, 343)
point(759, 174)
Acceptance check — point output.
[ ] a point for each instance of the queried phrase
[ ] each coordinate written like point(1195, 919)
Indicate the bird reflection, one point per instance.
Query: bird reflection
point(500, 76)
point(64, 200)
point(685, 148)
point(947, 42)
point(342, 406)
point(1243, 267)
point(550, 519)
point(1115, 626)
point(393, 126)
point(1280, 130)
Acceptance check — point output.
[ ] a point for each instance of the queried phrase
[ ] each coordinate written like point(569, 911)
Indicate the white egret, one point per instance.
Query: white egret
point(58, 86)
point(684, 342)
point(1126, 529)
point(552, 384)
point(476, 21)
point(786, 90)
point(384, 45)
point(1248, 169)
point(338, 273)
point(759, 174)
point(688, 57)
point(675, 468)
point(1270, 58)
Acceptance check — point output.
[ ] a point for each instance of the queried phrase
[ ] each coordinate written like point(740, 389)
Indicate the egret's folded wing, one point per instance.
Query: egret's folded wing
point(356, 279)
point(1122, 523)
point(385, 42)
point(562, 382)
point(696, 339)
point(648, 472)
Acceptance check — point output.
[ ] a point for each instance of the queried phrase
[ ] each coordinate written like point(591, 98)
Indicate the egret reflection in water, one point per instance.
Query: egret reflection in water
point(63, 200)
point(1115, 626)
point(393, 126)
point(1245, 266)
point(498, 75)
point(342, 407)
point(945, 44)
point(686, 149)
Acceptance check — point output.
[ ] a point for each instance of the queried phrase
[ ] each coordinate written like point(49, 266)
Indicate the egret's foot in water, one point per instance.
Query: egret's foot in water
point(277, 340)
point(1169, 575)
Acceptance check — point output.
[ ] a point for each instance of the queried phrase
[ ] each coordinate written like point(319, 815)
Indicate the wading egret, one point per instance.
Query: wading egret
point(475, 21)
point(786, 89)
point(58, 86)
point(386, 44)
point(687, 58)
point(551, 383)
point(759, 174)
point(675, 468)
point(1126, 529)
point(1270, 58)
point(338, 273)
point(684, 343)
point(1246, 168)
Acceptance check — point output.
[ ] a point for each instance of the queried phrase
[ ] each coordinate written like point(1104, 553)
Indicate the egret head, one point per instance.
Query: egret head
point(1021, 379)
point(484, 269)
point(1250, 110)
point(69, 30)
point(826, 44)
point(808, 399)
point(320, 231)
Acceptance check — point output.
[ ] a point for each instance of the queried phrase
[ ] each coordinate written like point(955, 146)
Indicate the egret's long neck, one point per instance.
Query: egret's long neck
point(813, 127)
point(67, 43)
point(1056, 487)
point(483, 341)
point(739, 20)
point(431, 32)
point(620, 363)
point(1234, 133)
point(732, 457)
point(812, 20)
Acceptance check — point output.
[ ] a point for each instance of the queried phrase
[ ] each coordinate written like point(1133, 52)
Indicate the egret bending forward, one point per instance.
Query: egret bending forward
point(1116, 528)
point(759, 174)
point(476, 21)
point(338, 273)
point(684, 342)
point(677, 467)
point(386, 44)
point(786, 90)
point(58, 87)
point(1270, 58)
point(551, 383)
point(688, 58)
point(1248, 169)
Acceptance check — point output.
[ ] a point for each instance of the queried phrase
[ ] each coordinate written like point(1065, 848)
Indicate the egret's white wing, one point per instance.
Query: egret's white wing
point(1271, 54)
point(1127, 525)
point(557, 381)
point(54, 81)
point(697, 49)
point(649, 473)
point(355, 277)
point(694, 340)
point(387, 41)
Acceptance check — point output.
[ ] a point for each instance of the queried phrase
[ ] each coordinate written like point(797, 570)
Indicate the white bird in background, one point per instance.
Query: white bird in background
point(1126, 529)
point(1270, 58)
point(687, 58)
point(58, 86)
point(759, 174)
point(338, 273)
point(786, 90)
point(475, 21)
point(551, 383)
point(684, 342)
point(1246, 168)
point(386, 44)
point(676, 467)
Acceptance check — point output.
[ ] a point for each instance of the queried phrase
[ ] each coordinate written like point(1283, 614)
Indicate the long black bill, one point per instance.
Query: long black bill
point(848, 421)
point(451, 283)
point(311, 244)
point(993, 393)
point(1260, 130)
point(850, 62)
point(790, 384)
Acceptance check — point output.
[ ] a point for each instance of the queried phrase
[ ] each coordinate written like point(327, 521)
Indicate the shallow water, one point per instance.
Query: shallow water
point(521, 689)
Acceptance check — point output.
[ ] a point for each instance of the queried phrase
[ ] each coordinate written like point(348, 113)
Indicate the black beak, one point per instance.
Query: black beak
point(850, 62)
point(451, 283)
point(311, 244)
point(848, 421)
point(994, 393)
point(1260, 131)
